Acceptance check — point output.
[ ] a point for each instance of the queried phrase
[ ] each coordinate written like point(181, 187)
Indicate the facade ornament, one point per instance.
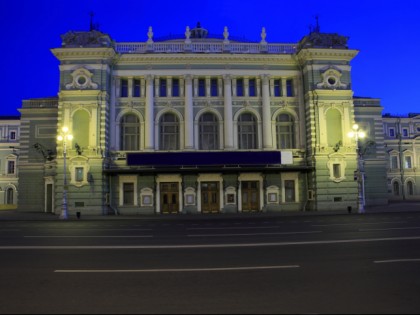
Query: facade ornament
point(187, 35)
point(226, 35)
point(81, 80)
point(263, 36)
point(150, 35)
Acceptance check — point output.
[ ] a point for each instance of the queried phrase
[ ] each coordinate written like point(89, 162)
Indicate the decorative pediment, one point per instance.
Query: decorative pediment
point(331, 79)
point(82, 79)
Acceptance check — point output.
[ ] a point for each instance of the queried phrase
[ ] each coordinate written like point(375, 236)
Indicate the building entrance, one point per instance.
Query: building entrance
point(169, 197)
point(250, 196)
point(210, 197)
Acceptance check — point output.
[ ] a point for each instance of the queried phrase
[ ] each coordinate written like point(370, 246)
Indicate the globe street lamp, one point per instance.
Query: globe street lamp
point(358, 134)
point(63, 137)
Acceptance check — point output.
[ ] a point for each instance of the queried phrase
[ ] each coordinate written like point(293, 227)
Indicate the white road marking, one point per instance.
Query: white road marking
point(176, 270)
point(236, 228)
point(195, 246)
point(396, 261)
point(252, 234)
point(366, 223)
point(87, 236)
point(390, 229)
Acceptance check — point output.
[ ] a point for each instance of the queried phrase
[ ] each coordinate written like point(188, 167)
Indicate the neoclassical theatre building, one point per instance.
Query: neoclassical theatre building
point(202, 123)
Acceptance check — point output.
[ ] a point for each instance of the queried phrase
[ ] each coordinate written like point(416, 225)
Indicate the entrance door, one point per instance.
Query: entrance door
point(210, 197)
point(169, 197)
point(250, 196)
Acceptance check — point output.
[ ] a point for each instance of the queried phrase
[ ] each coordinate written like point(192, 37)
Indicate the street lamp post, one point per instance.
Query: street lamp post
point(63, 137)
point(358, 134)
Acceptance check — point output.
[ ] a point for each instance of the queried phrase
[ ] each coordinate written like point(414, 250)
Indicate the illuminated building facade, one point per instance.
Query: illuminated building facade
point(201, 124)
point(9, 153)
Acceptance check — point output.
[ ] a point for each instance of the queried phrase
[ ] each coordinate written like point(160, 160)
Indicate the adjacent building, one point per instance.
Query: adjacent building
point(204, 123)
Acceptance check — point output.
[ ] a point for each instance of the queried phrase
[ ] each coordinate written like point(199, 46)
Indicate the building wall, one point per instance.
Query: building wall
point(114, 97)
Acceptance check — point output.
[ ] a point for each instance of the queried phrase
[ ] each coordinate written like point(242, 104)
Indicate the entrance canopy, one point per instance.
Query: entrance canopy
point(223, 158)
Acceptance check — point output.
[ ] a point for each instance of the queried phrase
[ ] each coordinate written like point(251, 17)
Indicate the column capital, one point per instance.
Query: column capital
point(188, 77)
point(227, 77)
point(265, 78)
point(149, 77)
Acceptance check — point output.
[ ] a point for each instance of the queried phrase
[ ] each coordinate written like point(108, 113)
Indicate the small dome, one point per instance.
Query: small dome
point(199, 32)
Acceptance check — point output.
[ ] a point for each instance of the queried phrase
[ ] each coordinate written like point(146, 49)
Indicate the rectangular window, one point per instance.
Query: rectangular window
point(289, 88)
point(337, 170)
point(214, 87)
point(124, 88)
point(252, 87)
point(79, 174)
point(407, 162)
point(405, 132)
point(128, 194)
point(240, 87)
point(289, 191)
point(162, 87)
point(392, 132)
point(277, 87)
point(13, 135)
point(136, 88)
point(394, 162)
point(175, 87)
point(201, 87)
point(10, 167)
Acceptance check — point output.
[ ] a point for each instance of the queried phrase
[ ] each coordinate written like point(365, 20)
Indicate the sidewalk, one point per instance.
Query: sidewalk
point(14, 215)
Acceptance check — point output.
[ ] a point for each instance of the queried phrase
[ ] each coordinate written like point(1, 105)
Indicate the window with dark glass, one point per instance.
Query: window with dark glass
point(124, 88)
point(277, 87)
point(162, 87)
point(289, 191)
point(136, 88)
point(169, 132)
point(289, 88)
point(175, 87)
point(285, 132)
point(79, 174)
point(201, 87)
point(128, 194)
point(10, 167)
point(130, 133)
point(252, 87)
point(239, 87)
point(247, 131)
point(208, 132)
point(214, 87)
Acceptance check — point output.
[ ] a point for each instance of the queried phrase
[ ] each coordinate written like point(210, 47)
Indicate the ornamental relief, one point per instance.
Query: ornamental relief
point(81, 80)
point(331, 79)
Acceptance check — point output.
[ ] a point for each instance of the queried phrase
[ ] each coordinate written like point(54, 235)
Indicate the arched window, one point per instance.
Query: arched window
point(285, 132)
point(396, 188)
point(169, 132)
point(334, 127)
point(81, 122)
point(9, 196)
point(247, 132)
point(130, 133)
point(410, 188)
point(208, 132)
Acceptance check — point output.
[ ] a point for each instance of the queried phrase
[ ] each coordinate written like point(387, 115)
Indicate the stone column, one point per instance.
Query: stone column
point(188, 113)
point(266, 113)
point(149, 121)
point(228, 113)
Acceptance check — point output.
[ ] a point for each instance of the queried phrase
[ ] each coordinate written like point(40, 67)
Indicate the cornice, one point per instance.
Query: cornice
point(326, 54)
point(83, 53)
point(206, 59)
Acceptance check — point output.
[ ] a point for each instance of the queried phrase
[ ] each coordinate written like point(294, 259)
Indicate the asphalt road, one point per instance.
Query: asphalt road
point(321, 264)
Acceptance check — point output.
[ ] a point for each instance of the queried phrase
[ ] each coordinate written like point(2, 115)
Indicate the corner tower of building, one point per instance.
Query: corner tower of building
point(324, 60)
point(86, 60)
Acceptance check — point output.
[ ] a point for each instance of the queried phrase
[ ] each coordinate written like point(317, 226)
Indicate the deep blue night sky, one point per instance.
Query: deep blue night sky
point(387, 34)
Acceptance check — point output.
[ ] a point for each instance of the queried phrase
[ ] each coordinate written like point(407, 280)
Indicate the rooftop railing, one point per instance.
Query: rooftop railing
point(40, 103)
point(204, 47)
